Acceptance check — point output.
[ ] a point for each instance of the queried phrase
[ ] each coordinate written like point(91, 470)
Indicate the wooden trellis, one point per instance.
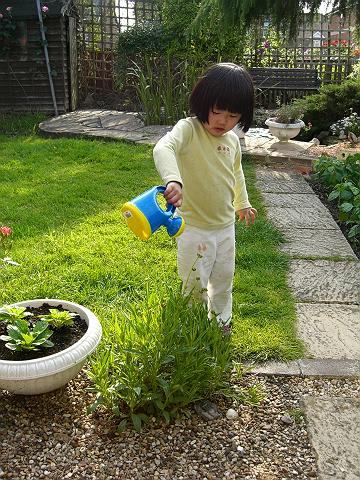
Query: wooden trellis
point(327, 45)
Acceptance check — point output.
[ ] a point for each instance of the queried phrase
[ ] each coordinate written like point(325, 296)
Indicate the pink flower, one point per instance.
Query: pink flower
point(5, 231)
point(45, 9)
point(8, 9)
point(1, 16)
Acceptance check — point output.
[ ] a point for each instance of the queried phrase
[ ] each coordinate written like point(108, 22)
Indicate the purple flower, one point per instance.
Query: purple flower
point(44, 9)
point(266, 44)
point(1, 16)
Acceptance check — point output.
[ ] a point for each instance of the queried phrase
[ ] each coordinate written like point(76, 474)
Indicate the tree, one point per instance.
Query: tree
point(284, 14)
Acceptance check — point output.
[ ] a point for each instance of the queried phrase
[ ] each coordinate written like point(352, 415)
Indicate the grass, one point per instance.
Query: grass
point(62, 198)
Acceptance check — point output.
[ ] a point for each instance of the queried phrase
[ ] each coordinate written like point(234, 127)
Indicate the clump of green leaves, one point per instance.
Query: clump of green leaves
point(21, 336)
point(158, 357)
point(343, 176)
point(59, 318)
point(289, 113)
point(10, 314)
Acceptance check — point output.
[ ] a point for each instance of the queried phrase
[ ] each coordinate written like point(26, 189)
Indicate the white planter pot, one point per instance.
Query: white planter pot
point(31, 377)
point(284, 131)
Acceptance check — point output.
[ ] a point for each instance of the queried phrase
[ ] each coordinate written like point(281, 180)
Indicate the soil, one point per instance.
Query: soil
point(62, 337)
point(322, 192)
point(340, 149)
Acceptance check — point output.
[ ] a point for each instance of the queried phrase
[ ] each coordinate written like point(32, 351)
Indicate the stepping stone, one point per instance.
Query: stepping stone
point(334, 429)
point(316, 243)
point(303, 200)
point(121, 121)
point(298, 217)
point(329, 330)
point(281, 181)
point(325, 281)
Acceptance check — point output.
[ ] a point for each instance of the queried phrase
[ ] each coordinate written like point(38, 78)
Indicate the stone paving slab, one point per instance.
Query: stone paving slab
point(275, 368)
point(308, 367)
point(277, 181)
point(287, 200)
point(316, 243)
point(325, 281)
point(329, 367)
point(330, 330)
point(106, 124)
point(298, 217)
point(334, 428)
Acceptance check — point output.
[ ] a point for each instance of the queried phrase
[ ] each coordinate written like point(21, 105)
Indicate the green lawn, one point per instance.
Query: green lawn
point(62, 199)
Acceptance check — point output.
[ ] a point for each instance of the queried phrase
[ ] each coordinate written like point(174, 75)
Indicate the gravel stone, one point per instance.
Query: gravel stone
point(51, 436)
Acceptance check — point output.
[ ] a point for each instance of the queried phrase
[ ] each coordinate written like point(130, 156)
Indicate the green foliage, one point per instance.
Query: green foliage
point(7, 30)
point(343, 176)
point(24, 124)
point(21, 336)
point(10, 314)
point(285, 15)
point(159, 356)
point(168, 51)
point(334, 171)
point(289, 113)
point(332, 103)
point(163, 90)
point(346, 125)
point(57, 318)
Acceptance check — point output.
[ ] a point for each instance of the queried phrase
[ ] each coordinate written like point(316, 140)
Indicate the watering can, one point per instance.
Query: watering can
point(144, 215)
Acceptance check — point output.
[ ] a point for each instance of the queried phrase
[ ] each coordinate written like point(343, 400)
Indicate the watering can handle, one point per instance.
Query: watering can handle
point(169, 207)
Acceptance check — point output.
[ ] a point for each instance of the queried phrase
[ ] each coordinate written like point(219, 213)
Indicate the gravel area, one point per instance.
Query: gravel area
point(51, 436)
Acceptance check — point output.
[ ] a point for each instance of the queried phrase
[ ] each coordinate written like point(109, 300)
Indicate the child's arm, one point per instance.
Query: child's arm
point(243, 208)
point(167, 150)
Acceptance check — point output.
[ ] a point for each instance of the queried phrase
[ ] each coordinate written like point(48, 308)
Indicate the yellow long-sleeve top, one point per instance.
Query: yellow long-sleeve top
point(209, 169)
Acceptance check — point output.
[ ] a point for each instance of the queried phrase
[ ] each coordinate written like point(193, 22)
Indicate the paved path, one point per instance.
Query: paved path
point(324, 277)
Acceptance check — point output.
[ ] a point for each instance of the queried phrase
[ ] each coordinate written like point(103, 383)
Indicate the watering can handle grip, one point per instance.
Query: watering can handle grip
point(169, 206)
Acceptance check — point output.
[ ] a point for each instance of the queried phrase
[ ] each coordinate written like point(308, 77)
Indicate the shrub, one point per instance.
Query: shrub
point(343, 176)
point(161, 356)
point(343, 127)
point(332, 103)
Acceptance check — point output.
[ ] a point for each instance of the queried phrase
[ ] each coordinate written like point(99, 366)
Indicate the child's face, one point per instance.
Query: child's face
point(221, 121)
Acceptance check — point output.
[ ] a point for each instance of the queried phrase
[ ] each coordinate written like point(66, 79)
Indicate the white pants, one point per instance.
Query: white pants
point(206, 265)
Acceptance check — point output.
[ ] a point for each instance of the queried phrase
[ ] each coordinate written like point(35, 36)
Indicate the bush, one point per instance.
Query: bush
point(154, 44)
point(343, 127)
point(332, 103)
point(160, 356)
point(343, 176)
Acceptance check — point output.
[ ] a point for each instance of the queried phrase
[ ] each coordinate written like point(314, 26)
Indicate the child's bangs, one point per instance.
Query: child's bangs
point(231, 103)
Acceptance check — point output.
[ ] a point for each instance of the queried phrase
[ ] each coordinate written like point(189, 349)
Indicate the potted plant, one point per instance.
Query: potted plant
point(31, 362)
point(285, 125)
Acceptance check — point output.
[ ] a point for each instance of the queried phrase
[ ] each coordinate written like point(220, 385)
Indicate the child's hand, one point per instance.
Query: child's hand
point(247, 214)
point(173, 194)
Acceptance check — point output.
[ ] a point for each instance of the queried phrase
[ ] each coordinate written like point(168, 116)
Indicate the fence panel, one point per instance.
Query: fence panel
point(327, 45)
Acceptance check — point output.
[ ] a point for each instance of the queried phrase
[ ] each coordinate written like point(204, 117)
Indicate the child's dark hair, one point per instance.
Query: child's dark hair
point(226, 86)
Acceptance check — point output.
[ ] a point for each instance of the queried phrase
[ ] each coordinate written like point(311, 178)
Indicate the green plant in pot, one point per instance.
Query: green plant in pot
point(285, 125)
point(44, 343)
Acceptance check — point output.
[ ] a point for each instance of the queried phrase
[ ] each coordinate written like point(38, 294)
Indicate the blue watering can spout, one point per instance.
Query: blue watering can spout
point(144, 215)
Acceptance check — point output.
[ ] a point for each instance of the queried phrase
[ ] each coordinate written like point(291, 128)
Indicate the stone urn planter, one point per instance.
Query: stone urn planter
point(284, 132)
point(47, 373)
